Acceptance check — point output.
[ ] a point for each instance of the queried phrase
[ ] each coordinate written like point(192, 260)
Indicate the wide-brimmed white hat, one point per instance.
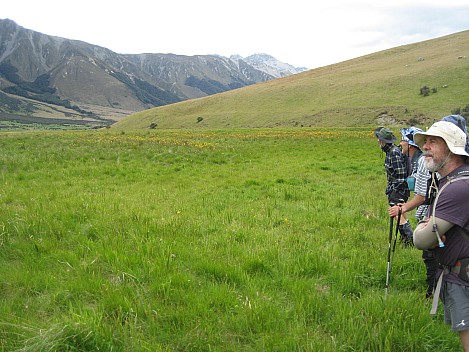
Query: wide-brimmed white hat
point(454, 137)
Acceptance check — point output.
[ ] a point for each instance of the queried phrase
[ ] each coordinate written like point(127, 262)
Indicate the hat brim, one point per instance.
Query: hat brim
point(419, 138)
point(387, 140)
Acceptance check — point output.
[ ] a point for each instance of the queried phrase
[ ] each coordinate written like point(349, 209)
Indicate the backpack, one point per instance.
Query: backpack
point(461, 175)
point(457, 177)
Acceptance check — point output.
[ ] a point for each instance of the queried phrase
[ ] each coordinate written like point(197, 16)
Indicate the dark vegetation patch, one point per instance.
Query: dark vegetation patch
point(29, 120)
point(146, 92)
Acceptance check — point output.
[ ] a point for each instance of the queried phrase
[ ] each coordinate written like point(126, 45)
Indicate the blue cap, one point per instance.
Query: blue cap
point(408, 135)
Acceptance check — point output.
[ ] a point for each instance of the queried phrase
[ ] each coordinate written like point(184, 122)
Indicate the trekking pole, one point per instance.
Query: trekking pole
point(388, 272)
point(390, 258)
point(395, 234)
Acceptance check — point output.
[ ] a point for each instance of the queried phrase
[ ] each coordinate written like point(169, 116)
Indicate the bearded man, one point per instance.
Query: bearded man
point(445, 231)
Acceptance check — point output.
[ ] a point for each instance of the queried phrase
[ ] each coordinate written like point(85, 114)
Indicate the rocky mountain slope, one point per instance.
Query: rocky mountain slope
point(48, 76)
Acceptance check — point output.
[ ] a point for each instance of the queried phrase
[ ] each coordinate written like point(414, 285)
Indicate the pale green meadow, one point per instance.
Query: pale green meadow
point(223, 240)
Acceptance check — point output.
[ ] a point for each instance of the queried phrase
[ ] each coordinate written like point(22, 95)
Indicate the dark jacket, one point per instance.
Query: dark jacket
point(395, 164)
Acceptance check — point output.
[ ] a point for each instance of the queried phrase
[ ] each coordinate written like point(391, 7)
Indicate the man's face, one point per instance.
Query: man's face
point(436, 153)
point(404, 146)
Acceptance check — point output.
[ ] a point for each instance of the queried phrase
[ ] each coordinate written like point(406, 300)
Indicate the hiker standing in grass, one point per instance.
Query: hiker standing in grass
point(395, 164)
point(445, 230)
point(421, 175)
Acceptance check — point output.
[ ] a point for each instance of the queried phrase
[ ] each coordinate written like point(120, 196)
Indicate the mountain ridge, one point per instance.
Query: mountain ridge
point(379, 88)
point(48, 75)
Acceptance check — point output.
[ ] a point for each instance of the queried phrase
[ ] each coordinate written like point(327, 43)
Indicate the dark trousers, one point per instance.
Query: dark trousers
point(432, 266)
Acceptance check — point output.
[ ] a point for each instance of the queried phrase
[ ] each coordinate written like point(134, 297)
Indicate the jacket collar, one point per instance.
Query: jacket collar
point(387, 147)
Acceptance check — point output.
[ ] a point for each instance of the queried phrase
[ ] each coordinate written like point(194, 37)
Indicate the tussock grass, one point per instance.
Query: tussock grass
point(208, 240)
point(59, 337)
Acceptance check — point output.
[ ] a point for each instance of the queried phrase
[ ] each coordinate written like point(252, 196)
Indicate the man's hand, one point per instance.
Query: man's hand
point(394, 210)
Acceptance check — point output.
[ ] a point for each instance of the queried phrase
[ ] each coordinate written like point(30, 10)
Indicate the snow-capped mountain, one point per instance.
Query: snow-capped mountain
point(270, 65)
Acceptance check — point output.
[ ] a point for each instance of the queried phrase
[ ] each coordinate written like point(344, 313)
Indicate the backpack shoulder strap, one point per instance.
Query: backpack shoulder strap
point(450, 180)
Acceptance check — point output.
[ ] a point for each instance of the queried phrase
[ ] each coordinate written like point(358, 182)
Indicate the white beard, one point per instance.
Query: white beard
point(431, 165)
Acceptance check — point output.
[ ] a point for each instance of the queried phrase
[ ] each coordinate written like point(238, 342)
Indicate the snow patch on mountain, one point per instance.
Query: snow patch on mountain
point(270, 65)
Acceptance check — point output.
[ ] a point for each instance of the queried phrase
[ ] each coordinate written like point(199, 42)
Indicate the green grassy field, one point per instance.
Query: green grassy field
point(207, 240)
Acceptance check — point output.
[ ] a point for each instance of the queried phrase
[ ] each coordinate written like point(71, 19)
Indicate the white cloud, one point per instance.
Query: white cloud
point(297, 32)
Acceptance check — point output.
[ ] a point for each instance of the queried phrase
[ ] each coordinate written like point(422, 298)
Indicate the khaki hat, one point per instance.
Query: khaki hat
point(454, 137)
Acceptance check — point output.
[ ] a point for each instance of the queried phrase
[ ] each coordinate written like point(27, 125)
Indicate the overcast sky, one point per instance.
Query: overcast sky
point(299, 32)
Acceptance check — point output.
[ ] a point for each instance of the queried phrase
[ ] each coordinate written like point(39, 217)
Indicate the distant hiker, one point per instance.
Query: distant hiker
point(446, 227)
point(396, 166)
point(409, 147)
point(420, 176)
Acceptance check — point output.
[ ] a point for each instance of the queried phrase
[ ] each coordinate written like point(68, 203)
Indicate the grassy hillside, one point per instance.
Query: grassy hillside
point(383, 87)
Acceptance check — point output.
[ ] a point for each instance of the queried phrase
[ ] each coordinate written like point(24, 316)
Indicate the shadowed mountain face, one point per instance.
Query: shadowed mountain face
point(42, 74)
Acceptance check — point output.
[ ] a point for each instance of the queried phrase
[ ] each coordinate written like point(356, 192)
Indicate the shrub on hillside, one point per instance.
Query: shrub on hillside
point(425, 91)
point(414, 121)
